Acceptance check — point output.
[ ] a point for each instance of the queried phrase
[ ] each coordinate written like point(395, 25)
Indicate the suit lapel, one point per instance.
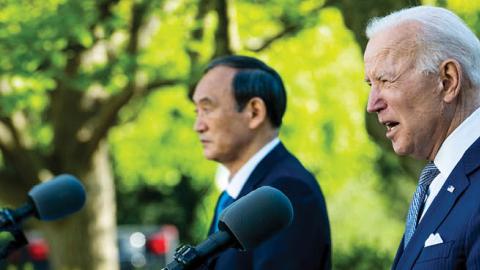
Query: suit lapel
point(258, 173)
point(472, 160)
point(435, 214)
point(399, 253)
point(255, 178)
point(263, 168)
point(441, 205)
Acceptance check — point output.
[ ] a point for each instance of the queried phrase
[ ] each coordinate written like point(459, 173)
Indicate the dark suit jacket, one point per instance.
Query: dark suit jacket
point(455, 216)
point(305, 244)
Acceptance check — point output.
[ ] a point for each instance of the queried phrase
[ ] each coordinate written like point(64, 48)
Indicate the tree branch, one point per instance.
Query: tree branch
point(286, 31)
point(10, 193)
point(150, 87)
point(290, 28)
point(65, 110)
point(8, 133)
point(222, 35)
point(75, 49)
point(108, 114)
point(20, 163)
point(197, 34)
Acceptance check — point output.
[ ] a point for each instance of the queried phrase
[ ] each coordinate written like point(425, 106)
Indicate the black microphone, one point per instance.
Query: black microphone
point(48, 201)
point(244, 224)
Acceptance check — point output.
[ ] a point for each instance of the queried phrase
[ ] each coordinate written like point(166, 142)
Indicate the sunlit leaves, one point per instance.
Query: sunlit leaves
point(161, 144)
point(469, 11)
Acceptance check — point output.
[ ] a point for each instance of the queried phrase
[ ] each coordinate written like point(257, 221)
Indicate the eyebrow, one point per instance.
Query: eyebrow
point(384, 75)
point(204, 101)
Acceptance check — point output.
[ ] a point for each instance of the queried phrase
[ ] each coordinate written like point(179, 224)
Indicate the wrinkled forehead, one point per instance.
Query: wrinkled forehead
point(393, 44)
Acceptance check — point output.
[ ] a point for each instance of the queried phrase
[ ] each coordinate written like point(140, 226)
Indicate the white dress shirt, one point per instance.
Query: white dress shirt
point(236, 183)
point(451, 152)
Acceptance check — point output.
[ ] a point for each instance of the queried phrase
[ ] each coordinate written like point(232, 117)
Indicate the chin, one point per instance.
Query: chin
point(208, 155)
point(400, 149)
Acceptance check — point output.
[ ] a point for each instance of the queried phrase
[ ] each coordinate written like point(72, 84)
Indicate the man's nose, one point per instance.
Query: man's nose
point(376, 103)
point(199, 125)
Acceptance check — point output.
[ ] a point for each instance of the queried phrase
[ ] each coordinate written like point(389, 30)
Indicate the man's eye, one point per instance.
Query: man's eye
point(202, 111)
point(386, 81)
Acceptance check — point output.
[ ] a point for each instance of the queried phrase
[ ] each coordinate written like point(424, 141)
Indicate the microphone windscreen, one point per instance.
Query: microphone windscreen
point(58, 197)
point(257, 216)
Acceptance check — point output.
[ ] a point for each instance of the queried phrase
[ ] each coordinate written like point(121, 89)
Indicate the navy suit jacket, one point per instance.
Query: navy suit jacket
point(455, 215)
point(305, 244)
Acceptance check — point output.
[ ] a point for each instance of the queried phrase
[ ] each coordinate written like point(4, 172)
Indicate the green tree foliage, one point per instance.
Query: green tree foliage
point(83, 83)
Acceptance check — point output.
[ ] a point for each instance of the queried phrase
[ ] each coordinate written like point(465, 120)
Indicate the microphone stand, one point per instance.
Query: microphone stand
point(8, 224)
point(187, 257)
point(183, 258)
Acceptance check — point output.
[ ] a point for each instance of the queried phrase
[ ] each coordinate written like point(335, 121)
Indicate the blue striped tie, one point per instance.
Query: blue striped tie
point(223, 201)
point(426, 177)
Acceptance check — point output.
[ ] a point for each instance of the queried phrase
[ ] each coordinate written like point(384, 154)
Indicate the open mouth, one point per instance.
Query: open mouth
point(390, 125)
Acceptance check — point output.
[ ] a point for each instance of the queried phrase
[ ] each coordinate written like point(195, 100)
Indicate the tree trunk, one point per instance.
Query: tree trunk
point(95, 222)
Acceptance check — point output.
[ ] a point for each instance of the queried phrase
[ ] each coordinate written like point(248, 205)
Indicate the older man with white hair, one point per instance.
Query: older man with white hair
point(423, 66)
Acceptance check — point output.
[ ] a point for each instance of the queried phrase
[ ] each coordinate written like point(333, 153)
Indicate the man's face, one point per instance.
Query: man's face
point(222, 129)
point(407, 101)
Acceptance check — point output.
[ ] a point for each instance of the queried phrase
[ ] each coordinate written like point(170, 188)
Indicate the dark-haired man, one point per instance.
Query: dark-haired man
point(240, 102)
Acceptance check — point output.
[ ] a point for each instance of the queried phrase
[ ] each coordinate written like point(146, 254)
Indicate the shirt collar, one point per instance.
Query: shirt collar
point(240, 178)
point(451, 152)
point(457, 144)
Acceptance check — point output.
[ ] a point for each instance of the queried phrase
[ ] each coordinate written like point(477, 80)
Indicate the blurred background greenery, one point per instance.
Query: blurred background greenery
point(99, 89)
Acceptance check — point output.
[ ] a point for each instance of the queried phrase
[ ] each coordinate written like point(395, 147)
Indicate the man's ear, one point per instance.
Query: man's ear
point(256, 112)
point(451, 77)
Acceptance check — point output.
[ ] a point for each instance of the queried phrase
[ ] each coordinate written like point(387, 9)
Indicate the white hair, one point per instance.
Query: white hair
point(444, 35)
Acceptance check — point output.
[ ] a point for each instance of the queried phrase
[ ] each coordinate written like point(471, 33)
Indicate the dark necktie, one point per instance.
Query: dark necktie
point(223, 201)
point(426, 177)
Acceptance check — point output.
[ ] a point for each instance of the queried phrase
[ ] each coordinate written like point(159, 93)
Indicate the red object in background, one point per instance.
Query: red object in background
point(38, 250)
point(158, 243)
